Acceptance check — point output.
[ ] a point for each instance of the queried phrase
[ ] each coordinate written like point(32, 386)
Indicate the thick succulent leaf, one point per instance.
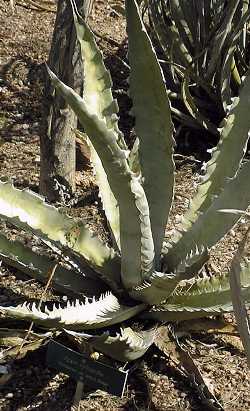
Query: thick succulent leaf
point(77, 315)
point(226, 158)
point(108, 200)
point(127, 346)
point(36, 266)
point(137, 248)
point(231, 147)
point(133, 158)
point(98, 84)
point(153, 124)
point(201, 38)
point(192, 263)
point(99, 100)
point(156, 289)
point(200, 298)
point(185, 119)
point(229, 70)
point(211, 226)
point(28, 210)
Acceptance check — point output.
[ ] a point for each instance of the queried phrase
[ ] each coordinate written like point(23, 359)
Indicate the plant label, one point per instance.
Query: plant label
point(92, 373)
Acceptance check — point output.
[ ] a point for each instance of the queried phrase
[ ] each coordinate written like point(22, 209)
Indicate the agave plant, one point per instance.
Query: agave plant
point(141, 276)
point(205, 54)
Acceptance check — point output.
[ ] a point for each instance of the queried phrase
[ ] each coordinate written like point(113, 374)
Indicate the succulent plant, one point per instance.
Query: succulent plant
point(140, 276)
point(205, 54)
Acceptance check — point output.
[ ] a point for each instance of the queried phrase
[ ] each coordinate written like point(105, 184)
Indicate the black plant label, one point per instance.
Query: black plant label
point(92, 373)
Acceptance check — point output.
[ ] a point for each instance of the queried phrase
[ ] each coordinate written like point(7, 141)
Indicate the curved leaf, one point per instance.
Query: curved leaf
point(137, 248)
point(29, 211)
point(99, 100)
point(108, 200)
point(156, 289)
point(226, 157)
point(36, 266)
point(153, 124)
point(127, 346)
point(211, 226)
point(225, 162)
point(200, 298)
point(97, 90)
point(78, 315)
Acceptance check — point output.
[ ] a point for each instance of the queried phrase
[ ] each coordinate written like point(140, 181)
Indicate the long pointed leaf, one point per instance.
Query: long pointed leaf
point(224, 162)
point(36, 266)
point(137, 248)
point(156, 289)
point(27, 210)
point(153, 124)
point(210, 226)
point(99, 100)
point(201, 297)
point(76, 316)
point(127, 346)
point(98, 84)
point(108, 200)
point(226, 157)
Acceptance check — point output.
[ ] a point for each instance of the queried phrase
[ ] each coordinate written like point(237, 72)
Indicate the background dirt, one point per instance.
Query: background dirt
point(158, 385)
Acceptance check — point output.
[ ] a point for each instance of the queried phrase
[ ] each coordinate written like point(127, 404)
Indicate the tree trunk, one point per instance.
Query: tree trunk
point(57, 144)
